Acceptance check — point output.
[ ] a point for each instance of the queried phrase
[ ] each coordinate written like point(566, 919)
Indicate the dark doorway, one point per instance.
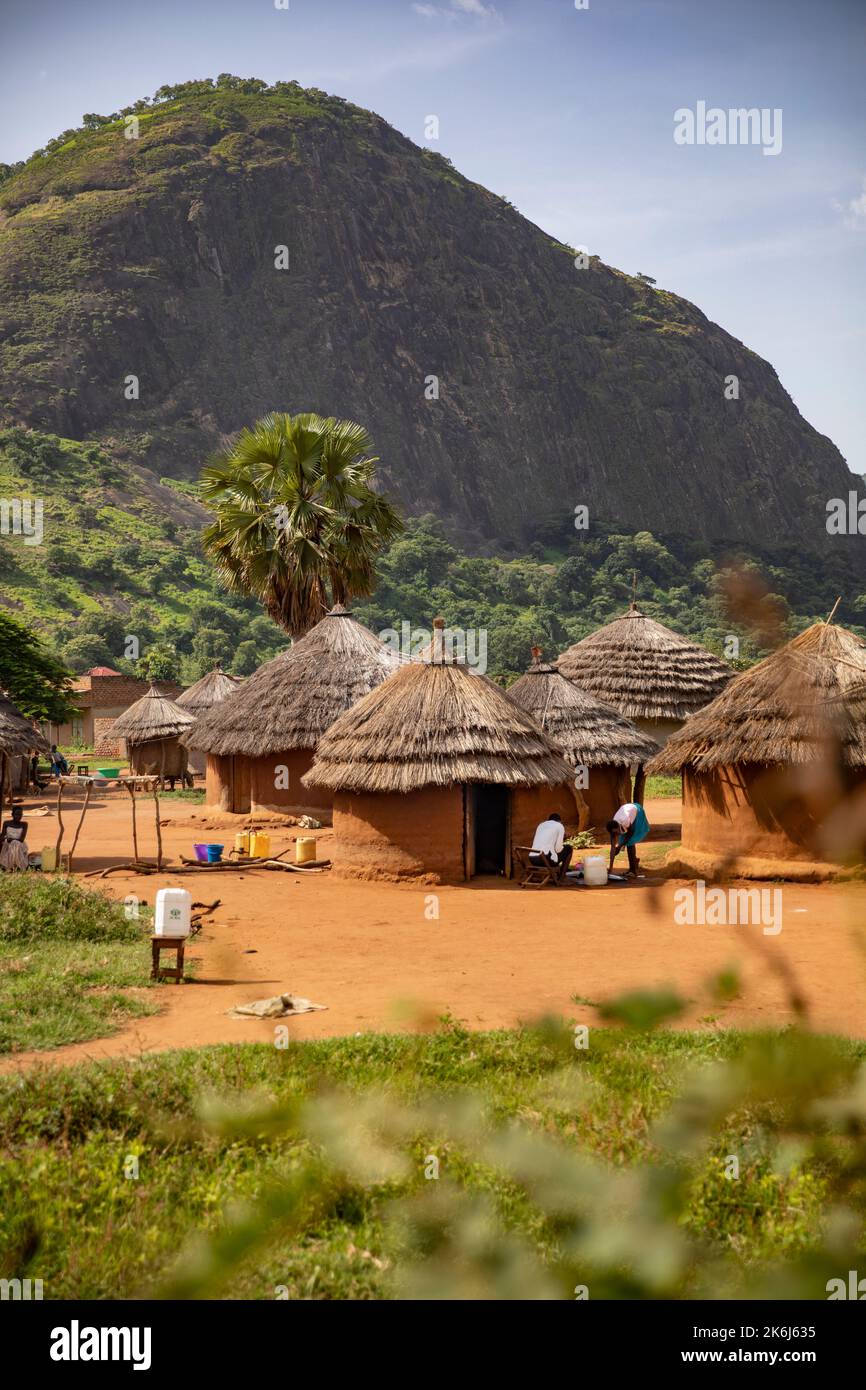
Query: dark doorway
point(490, 828)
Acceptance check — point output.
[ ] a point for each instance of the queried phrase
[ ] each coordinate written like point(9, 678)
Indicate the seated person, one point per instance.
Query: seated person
point(628, 827)
point(549, 845)
point(13, 841)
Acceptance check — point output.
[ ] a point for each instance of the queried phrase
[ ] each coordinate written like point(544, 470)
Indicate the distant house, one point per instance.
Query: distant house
point(102, 695)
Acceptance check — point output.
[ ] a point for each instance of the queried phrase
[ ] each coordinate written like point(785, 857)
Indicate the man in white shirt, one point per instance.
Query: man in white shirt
point(549, 845)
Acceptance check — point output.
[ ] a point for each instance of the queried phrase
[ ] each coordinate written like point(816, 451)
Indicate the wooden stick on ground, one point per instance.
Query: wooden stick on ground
point(80, 823)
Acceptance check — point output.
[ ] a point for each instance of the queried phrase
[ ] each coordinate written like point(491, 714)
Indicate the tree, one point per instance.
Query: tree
point(85, 650)
point(159, 662)
point(246, 659)
point(297, 523)
point(34, 680)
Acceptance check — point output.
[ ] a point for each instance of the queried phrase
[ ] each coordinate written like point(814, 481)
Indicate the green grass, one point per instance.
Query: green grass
point(68, 961)
point(663, 786)
point(72, 1218)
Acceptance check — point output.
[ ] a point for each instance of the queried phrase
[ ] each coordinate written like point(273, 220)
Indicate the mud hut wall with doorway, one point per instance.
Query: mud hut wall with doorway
point(260, 740)
point(653, 676)
point(600, 744)
point(438, 775)
point(151, 729)
point(774, 770)
point(213, 687)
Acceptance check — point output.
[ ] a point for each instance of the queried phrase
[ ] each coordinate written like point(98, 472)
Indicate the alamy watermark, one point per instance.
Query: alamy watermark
point(22, 516)
point(698, 905)
point(736, 126)
point(465, 645)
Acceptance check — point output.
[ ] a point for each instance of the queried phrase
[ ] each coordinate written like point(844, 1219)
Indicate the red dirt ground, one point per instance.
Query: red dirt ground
point(497, 955)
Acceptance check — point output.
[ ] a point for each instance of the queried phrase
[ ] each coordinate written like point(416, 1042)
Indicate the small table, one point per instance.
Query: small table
point(167, 943)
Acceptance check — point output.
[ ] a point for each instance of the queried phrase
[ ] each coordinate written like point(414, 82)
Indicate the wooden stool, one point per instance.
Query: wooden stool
point(167, 943)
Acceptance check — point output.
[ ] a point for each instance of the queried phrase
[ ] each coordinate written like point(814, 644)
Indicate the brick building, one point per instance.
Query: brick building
point(102, 694)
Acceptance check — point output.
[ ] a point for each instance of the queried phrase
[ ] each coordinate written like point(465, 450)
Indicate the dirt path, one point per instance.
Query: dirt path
point(496, 955)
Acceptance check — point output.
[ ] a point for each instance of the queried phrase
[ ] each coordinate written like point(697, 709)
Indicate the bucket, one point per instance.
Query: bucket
point(201, 853)
point(594, 870)
point(214, 853)
point(260, 845)
point(49, 858)
point(305, 850)
point(242, 842)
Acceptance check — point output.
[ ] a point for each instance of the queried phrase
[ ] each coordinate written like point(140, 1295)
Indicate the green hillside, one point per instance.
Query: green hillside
point(121, 556)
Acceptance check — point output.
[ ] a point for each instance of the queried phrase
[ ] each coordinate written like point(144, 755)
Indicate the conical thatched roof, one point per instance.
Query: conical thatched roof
point(152, 717)
point(591, 733)
point(645, 670)
point(290, 701)
point(208, 691)
point(435, 723)
point(789, 708)
point(17, 735)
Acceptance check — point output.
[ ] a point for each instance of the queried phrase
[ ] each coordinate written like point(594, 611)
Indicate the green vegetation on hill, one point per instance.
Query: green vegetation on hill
point(122, 557)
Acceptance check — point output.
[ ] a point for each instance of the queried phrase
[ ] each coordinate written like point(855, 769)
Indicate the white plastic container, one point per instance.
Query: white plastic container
point(173, 912)
point(594, 871)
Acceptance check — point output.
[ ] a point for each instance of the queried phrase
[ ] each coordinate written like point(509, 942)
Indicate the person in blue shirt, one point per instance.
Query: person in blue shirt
point(627, 828)
point(59, 765)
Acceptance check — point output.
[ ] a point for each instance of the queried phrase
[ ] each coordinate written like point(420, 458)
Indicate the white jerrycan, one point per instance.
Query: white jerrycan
point(173, 912)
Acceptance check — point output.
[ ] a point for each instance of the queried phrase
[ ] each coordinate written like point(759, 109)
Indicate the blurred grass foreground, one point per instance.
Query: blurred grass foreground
point(544, 1163)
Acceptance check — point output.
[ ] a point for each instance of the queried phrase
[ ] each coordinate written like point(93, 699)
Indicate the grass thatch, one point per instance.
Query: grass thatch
point(592, 734)
point(18, 738)
point(290, 701)
point(435, 723)
point(645, 670)
point(154, 716)
point(791, 708)
point(208, 691)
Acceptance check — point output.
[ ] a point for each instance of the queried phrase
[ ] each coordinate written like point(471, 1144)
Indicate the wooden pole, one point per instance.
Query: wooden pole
point(833, 609)
point(158, 831)
point(80, 823)
point(3, 781)
point(639, 785)
point(131, 790)
point(59, 823)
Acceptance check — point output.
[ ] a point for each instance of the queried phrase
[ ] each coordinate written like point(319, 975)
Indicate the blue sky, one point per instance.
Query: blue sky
point(570, 114)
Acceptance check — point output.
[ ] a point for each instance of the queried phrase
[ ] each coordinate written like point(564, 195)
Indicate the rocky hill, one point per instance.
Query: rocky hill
point(154, 258)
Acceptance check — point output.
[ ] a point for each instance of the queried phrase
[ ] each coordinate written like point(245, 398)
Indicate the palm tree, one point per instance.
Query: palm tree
point(298, 524)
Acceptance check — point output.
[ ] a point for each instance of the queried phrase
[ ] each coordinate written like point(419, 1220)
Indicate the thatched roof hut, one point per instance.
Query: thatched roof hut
point(208, 691)
point(152, 728)
point(596, 739)
point(259, 740)
point(203, 695)
point(18, 742)
point(654, 676)
point(437, 772)
point(18, 737)
point(768, 765)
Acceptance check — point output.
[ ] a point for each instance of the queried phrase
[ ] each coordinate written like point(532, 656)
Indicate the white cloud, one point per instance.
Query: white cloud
point(855, 213)
point(475, 9)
